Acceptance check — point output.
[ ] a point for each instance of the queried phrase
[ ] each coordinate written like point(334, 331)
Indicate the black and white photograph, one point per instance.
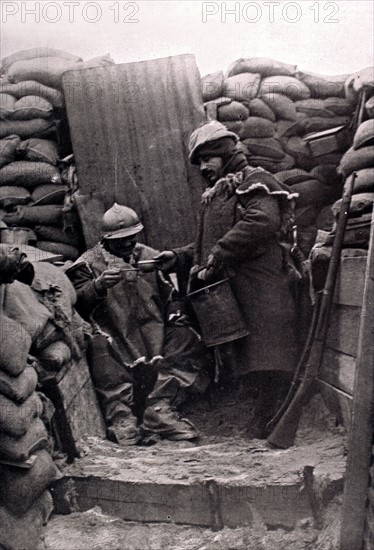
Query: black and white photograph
point(186, 275)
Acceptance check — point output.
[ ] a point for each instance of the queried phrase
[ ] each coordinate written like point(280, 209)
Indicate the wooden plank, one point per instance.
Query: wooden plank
point(130, 125)
point(344, 328)
point(338, 369)
point(361, 432)
point(77, 411)
point(337, 401)
point(350, 282)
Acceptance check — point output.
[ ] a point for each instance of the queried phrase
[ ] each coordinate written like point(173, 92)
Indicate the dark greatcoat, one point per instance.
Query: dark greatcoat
point(240, 223)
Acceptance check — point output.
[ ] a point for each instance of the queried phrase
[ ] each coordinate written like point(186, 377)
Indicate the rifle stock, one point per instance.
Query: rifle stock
point(284, 434)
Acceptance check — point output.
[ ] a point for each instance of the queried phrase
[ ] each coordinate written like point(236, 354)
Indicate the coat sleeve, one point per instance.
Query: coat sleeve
point(88, 297)
point(250, 236)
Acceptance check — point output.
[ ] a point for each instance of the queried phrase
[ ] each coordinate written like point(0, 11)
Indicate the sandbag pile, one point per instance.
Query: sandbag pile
point(32, 192)
point(359, 159)
point(273, 107)
point(23, 436)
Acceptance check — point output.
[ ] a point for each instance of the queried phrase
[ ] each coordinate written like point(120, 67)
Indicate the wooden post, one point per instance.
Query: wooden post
point(361, 430)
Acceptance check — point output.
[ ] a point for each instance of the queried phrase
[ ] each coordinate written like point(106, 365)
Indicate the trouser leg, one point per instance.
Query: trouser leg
point(185, 368)
point(272, 390)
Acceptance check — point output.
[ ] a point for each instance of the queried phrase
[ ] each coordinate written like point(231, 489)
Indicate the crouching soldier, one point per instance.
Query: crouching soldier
point(137, 323)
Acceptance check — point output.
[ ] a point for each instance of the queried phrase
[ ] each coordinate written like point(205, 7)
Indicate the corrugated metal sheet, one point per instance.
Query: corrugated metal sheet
point(130, 125)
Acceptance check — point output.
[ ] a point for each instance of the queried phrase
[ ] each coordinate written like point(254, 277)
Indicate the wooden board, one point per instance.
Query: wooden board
point(350, 282)
point(78, 413)
point(337, 401)
point(338, 369)
point(344, 328)
point(130, 125)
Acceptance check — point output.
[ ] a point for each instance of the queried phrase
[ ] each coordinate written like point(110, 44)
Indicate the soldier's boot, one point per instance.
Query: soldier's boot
point(162, 421)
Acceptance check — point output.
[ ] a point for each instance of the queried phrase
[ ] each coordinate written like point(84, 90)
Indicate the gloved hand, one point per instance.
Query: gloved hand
point(211, 269)
point(108, 278)
point(166, 260)
point(14, 265)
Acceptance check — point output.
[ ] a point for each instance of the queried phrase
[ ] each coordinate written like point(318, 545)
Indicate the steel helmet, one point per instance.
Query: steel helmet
point(119, 222)
point(211, 131)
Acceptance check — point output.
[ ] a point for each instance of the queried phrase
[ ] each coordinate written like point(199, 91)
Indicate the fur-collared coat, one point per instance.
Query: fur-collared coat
point(241, 223)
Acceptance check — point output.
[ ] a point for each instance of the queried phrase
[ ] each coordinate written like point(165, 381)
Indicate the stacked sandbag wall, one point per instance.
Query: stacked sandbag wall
point(33, 137)
point(40, 334)
point(25, 502)
point(273, 107)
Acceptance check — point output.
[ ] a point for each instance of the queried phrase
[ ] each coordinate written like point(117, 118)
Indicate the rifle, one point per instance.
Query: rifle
point(285, 431)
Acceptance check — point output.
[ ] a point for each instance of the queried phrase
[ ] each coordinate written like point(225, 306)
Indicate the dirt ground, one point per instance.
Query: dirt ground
point(222, 418)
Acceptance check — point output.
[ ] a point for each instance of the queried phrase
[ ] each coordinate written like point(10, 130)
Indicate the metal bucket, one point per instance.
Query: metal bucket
point(16, 235)
point(218, 313)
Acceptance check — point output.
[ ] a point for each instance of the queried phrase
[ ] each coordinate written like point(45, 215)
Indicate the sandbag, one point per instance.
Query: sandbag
point(313, 107)
point(18, 388)
point(29, 174)
point(295, 175)
point(272, 165)
point(15, 419)
point(299, 149)
point(306, 216)
point(7, 103)
point(252, 127)
point(32, 106)
point(364, 135)
point(57, 235)
point(23, 487)
point(38, 127)
point(314, 192)
point(48, 276)
point(50, 214)
point(327, 173)
point(369, 107)
point(26, 531)
point(356, 160)
point(289, 128)
point(30, 87)
point(287, 85)
point(8, 149)
point(55, 356)
point(21, 448)
point(211, 85)
point(98, 61)
point(356, 82)
point(361, 203)
point(318, 124)
point(322, 86)
point(232, 112)
point(49, 194)
point(258, 107)
point(263, 65)
point(13, 195)
point(32, 53)
point(338, 105)
point(38, 150)
point(329, 159)
point(46, 70)
point(22, 306)
point(364, 182)
point(15, 344)
point(242, 87)
point(325, 220)
point(264, 147)
point(282, 106)
point(68, 252)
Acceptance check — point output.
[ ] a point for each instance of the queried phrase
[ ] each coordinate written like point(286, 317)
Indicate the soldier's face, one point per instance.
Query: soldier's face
point(211, 168)
point(122, 247)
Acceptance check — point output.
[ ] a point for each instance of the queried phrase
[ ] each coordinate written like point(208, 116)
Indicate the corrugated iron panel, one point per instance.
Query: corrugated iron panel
point(130, 125)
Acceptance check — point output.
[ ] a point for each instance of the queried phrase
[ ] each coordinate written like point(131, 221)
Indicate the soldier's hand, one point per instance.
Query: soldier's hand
point(108, 279)
point(166, 260)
